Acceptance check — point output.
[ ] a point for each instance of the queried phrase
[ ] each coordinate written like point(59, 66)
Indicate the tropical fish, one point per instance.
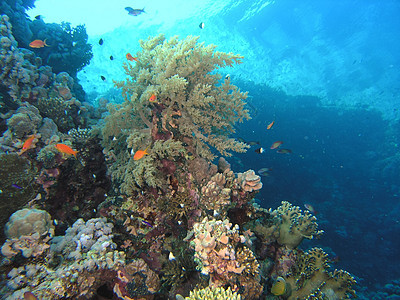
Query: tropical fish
point(260, 150)
point(279, 287)
point(227, 76)
point(310, 208)
point(101, 41)
point(130, 57)
point(276, 144)
point(147, 223)
point(133, 11)
point(16, 186)
point(39, 17)
point(253, 143)
point(38, 44)
point(28, 144)
point(171, 256)
point(139, 154)
point(111, 57)
point(65, 149)
point(201, 25)
point(264, 171)
point(103, 78)
point(270, 125)
point(284, 151)
point(29, 296)
point(153, 98)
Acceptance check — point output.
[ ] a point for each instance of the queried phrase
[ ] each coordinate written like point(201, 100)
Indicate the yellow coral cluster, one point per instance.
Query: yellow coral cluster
point(294, 225)
point(310, 278)
point(213, 293)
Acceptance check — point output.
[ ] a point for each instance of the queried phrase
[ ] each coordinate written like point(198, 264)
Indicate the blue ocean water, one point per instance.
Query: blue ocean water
point(328, 74)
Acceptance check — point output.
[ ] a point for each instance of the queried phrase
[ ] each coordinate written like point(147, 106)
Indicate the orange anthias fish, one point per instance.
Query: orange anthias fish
point(276, 144)
point(270, 125)
point(38, 44)
point(153, 98)
point(28, 144)
point(64, 149)
point(139, 154)
point(130, 57)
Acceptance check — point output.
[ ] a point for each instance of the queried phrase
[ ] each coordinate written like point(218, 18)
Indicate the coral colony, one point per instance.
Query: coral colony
point(132, 206)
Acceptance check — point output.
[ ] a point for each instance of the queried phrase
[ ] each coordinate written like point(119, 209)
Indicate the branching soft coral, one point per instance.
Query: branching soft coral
point(192, 101)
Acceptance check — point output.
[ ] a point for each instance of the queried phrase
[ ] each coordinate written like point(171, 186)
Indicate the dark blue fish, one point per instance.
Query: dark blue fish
point(147, 223)
point(134, 12)
point(16, 186)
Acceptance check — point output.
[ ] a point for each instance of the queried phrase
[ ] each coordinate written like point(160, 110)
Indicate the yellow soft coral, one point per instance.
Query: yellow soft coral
point(294, 225)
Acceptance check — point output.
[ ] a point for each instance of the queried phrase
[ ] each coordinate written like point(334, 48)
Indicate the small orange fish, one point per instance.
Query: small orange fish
point(66, 149)
point(270, 125)
point(130, 57)
point(38, 44)
point(139, 154)
point(153, 98)
point(276, 144)
point(29, 296)
point(28, 144)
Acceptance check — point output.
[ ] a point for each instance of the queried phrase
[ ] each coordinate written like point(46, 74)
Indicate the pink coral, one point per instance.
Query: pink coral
point(249, 181)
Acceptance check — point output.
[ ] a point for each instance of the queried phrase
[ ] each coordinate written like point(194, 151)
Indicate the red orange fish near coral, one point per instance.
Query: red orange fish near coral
point(29, 143)
point(130, 57)
point(38, 44)
point(65, 149)
point(139, 154)
point(270, 125)
point(276, 144)
point(153, 98)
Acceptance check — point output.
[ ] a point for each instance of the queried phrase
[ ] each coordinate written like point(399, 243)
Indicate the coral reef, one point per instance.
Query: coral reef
point(220, 254)
point(193, 112)
point(212, 293)
point(17, 177)
point(170, 224)
point(88, 261)
point(310, 278)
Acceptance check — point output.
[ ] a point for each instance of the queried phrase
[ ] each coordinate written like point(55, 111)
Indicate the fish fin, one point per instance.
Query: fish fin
point(46, 43)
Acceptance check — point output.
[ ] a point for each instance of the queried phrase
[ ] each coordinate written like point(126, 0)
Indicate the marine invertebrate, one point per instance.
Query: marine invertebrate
point(26, 120)
point(88, 261)
point(219, 253)
point(136, 279)
point(179, 73)
point(249, 181)
point(294, 225)
point(213, 293)
point(17, 176)
point(310, 278)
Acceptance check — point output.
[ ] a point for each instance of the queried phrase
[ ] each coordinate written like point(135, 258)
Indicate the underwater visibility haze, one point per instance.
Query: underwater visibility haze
point(200, 149)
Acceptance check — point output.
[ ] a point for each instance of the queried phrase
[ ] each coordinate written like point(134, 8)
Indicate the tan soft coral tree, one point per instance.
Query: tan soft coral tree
point(192, 100)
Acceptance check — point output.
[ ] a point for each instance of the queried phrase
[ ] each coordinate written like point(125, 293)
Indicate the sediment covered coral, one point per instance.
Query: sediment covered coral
point(17, 176)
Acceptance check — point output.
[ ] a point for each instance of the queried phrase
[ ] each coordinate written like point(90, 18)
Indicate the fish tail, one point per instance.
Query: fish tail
point(46, 43)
